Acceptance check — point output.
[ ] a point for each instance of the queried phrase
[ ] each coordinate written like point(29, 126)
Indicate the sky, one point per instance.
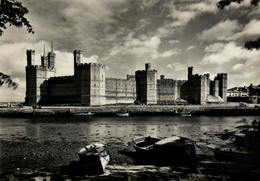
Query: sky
point(126, 34)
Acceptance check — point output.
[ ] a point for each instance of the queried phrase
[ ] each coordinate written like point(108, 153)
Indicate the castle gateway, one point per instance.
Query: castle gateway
point(89, 85)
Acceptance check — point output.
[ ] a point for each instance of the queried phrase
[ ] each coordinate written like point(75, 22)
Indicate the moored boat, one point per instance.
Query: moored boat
point(122, 114)
point(168, 150)
point(184, 114)
point(95, 155)
point(84, 114)
point(93, 159)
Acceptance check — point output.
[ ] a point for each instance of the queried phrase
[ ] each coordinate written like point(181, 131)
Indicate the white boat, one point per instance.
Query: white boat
point(84, 114)
point(95, 156)
point(122, 114)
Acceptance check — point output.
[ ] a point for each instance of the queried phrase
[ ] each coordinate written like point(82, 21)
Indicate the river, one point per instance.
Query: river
point(113, 131)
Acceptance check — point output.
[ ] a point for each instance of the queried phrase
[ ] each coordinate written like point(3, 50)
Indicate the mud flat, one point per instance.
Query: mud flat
point(214, 110)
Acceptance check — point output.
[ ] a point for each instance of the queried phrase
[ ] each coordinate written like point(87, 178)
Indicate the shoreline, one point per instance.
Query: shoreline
point(134, 110)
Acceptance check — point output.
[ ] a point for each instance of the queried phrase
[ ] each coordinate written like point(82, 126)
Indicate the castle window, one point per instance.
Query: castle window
point(94, 77)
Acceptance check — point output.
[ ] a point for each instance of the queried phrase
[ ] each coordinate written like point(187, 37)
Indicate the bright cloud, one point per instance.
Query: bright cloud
point(222, 31)
point(230, 52)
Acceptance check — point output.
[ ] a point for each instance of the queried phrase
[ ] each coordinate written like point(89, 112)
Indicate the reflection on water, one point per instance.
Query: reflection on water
point(113, 129)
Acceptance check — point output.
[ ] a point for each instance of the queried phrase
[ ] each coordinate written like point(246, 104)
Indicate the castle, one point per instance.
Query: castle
point(89, 85)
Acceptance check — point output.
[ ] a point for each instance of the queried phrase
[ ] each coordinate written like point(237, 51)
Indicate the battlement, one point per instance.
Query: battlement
point(145, 71)
point(94, 65)
point(62, 78)
point(166, 81)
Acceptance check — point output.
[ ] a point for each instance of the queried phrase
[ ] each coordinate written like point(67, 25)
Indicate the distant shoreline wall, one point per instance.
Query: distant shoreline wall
point(133, 110)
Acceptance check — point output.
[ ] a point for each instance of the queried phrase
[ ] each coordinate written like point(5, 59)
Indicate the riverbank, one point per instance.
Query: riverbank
point(134, 110)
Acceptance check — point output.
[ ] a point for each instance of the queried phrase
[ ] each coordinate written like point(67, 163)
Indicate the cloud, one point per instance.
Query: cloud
point(173, 41)
point(184, 12)
point(190, 47)
point(230, 52)
point(250, 30)
point(238, 67)
point(216, 47)
point(176, 66)
point(223, 30)
point(231, 30)
point(169, 53)
point(241, 64)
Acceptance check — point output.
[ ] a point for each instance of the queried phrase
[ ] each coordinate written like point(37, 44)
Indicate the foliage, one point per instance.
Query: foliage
point(253, 44)
point(6, 80)
point(223, 3)
point(12, 12)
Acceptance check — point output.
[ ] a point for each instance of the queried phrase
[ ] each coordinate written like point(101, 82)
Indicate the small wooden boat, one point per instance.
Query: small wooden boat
point(122, 113)
point(84, 114)
point(93, 159)
point(172, 149)
point(95, 155)
point(184, 114)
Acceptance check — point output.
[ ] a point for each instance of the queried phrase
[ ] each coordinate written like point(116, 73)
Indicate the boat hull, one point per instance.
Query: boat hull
point(122, 114)
point(93, 159)
point(170, 153)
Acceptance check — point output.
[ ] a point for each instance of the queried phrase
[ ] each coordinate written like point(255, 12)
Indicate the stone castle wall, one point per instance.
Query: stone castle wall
point(120, 91)
point(168, 90)
point(62, 90)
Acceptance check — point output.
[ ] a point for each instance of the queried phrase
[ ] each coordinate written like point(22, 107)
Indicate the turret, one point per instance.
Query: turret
point(190, 72)
point(147, 66)
point(30, 57)
point(162, 77)
point(78, 57)
point(51, 58)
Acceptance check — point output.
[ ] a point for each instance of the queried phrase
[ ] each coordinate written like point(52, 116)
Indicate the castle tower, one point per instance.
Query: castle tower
point(91, 80)
point(146, 85)
point(30, 57)
point(78, 57)
point(190, 72)
point(51, 59)
point(36, 90)
point(214, 85)
point(222, 79)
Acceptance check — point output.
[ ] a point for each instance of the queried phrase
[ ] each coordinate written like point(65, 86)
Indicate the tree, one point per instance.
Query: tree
point(6, 80)
point(12, 12)
point(252, 44)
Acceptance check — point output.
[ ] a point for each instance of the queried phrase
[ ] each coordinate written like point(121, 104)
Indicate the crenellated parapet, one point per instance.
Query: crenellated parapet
point(61, 79)
point(92, 65)
point(145, 71)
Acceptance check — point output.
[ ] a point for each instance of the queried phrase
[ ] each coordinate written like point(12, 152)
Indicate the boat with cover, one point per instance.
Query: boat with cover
point(95, 154)
point(93, 159)
point(173, 149)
